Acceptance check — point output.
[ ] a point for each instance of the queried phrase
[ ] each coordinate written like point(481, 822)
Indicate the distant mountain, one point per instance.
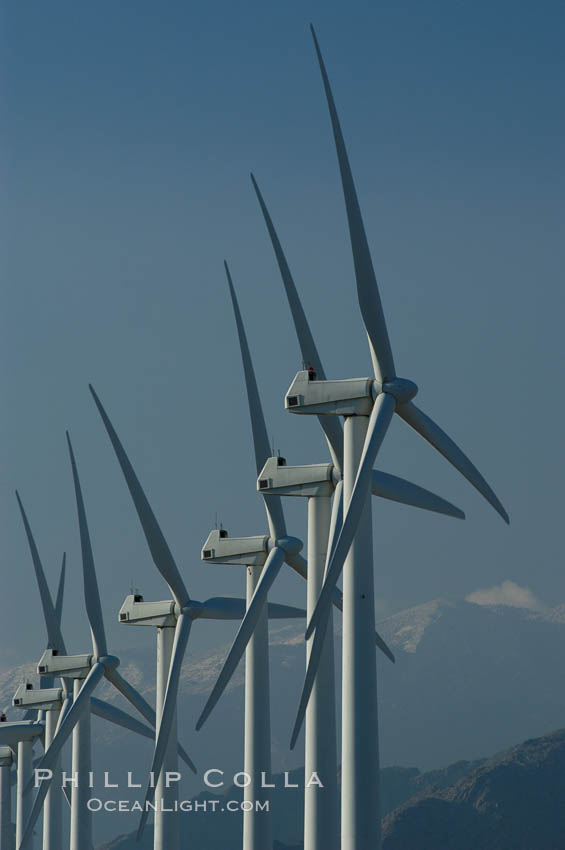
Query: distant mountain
point(514, 801)
point(469, 679)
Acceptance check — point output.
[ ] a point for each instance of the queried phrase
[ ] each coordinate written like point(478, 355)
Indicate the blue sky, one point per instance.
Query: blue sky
point(129, 135)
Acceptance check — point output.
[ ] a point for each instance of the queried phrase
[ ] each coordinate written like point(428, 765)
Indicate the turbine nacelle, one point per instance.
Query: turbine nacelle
point(68, 666)
point(136, 612)
point(47, 699)
point(312, 480)
point(220, 548)
point(349, 397)
point(401, 389)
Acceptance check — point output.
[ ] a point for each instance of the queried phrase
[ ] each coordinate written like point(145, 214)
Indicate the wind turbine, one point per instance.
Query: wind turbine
point(51, 700)
point(87, 670)
point(173, 619)
point(314, 480)
point(6, 829)
point(317, 482)
point(368, 406)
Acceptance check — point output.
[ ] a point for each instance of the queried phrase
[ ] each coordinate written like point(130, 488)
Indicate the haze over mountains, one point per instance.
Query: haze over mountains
point(470, 679)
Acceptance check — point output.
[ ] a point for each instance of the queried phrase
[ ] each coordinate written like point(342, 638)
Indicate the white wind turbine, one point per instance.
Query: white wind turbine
point(174, 619)
point(317, 482)
point(368, 406)
point(321, 476)
point(87, 671)
point(49, 699)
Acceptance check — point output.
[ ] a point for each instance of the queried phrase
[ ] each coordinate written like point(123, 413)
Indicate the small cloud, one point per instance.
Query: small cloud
point(507, 593)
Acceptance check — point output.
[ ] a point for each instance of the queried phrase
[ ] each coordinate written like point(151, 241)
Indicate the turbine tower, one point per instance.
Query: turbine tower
point(6, 827)
point(87, 671)
point(173, 620)
point(368, 406)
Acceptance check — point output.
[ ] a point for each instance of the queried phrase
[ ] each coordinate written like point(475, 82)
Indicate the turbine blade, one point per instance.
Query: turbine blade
point(296, 561)
point(182, 632)
point(379, 421)
point(275, 611)
point(54, 636)
point(330, 424)
point(270, 571)
point(311, 671)
point(103, 709)
point(336, 520)
point(80, 705)
point(160, 552)
point(431, 432)
point(91, 592)
point(367, 288)
point(320, 633)
point(261, 447)
point(399, 490)
point(135, 698)
point(66, 707)
point(61, 590)
point(384, 648)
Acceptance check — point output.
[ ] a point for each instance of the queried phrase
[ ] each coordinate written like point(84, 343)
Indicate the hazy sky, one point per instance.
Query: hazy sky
point(130, 130)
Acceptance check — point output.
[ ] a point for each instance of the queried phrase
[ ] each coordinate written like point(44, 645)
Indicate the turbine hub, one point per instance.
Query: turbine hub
point(401, 389)
point(193, 609)
point(291, 545)
point(109, 661)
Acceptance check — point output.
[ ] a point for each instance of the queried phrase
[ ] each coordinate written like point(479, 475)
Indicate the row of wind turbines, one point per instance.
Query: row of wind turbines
point(340, 541)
